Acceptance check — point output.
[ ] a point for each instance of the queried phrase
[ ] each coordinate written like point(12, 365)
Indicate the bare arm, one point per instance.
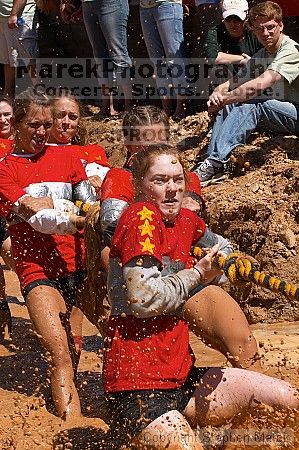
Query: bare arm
point(228, 58)
point(244, 92)
point(16, 11)
point(28, 206)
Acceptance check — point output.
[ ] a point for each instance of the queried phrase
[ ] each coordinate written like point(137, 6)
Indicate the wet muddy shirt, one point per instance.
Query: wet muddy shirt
point(149, 352)
point(38, 255)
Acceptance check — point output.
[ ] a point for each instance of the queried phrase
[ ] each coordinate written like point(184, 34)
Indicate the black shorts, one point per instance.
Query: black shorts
point(132, 411)
point(3, 231)
point(67, 286)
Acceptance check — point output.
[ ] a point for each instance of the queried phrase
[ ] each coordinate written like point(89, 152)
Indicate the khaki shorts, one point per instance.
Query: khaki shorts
point(18, 45)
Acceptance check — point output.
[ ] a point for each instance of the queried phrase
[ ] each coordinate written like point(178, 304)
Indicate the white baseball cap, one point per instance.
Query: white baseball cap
point(237, 8)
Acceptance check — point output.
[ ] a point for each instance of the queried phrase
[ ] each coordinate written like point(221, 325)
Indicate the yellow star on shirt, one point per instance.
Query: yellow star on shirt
point(2, 145)
point(146, 228)
point(145, 214)
point(147, 246)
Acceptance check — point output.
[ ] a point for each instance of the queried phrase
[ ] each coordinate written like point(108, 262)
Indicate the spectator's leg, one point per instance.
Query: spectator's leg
point(156, 52)
point(278, 116)
point(169, 19)
point(114, 23)
point(93, 25)
point(235, 124)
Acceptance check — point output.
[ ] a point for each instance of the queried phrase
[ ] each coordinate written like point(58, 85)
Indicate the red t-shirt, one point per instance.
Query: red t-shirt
point(151, 353)
point(38, 255)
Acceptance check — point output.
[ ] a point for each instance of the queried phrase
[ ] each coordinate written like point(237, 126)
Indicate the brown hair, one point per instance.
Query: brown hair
point(6, 99)
point(144, 116)
point(144, 159)
point(81, 135)
point(268, 10)
point(25, 100)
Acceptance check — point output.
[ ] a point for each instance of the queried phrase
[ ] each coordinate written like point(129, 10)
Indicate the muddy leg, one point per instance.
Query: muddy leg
point(224, 393)
point(170, 431)
point(46, 307)
point(215, 316)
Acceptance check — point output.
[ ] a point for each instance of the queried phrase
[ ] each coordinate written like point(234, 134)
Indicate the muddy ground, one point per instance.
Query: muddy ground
point(258, 209)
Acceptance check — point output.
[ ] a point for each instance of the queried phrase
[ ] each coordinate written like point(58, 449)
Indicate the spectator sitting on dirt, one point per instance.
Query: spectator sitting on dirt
point(239, 104)
point(231, 42)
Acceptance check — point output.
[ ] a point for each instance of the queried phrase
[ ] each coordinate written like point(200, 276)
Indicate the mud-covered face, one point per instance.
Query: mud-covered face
point(6, 114)
point(66, 115)
point(164, 184)
point(33, 131)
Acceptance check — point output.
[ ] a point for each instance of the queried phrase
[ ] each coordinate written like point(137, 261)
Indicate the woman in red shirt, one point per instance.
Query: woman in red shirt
point(68, 130)
point(153, 389)
point(47, 247)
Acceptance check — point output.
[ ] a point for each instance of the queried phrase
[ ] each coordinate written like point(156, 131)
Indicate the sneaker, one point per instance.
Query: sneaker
point(209, 174)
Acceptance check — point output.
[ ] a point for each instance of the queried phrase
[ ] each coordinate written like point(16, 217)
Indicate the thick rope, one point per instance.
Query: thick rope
point(237, 267)
point(82, 206)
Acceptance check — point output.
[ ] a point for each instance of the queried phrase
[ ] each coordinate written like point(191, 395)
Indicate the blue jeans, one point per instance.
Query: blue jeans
point(106, 25)
point(236, 122)
point(162, 28)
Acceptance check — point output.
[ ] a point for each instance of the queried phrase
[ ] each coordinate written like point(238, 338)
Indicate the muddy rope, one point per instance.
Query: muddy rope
point(239, 268)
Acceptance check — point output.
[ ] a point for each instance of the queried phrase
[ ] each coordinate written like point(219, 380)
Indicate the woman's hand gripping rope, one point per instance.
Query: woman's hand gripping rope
point(237, 267)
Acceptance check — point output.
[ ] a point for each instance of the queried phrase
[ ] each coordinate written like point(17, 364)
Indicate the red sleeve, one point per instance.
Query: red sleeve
point(118, 184)
point(138, 233)
point(193, 183)
point(10, 191)
point(94, 153)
